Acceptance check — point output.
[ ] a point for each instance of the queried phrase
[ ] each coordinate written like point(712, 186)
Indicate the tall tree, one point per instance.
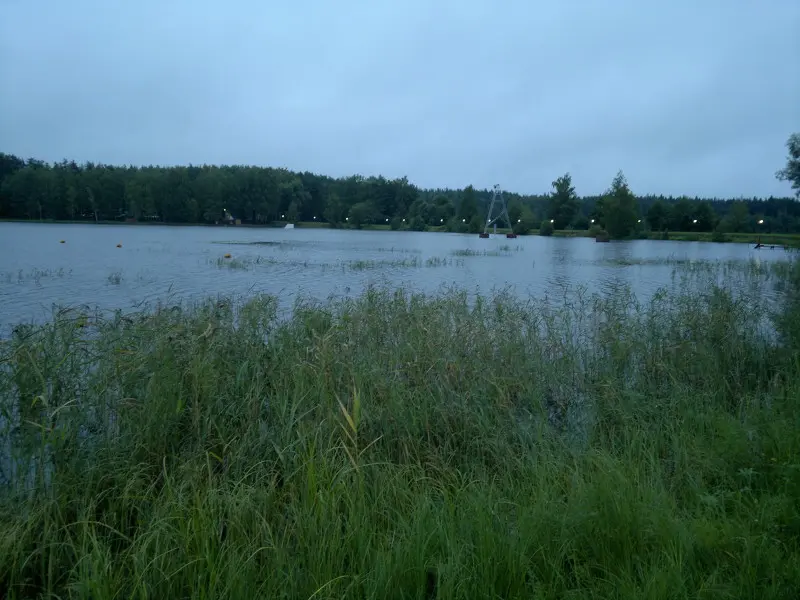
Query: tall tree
point(33, 189)
point(405, 194)
point(792, 170)
point(526, 222)
point(292, 211)
point(9, 164)
point(705, 216)
point(619, 210)
point(737, 219)
point(469, 204)
point(334, 210)
point(362, 213)
point(680, 218)
point(443, 210)
point(658, 215)
point(515, 207)
point(563, 202)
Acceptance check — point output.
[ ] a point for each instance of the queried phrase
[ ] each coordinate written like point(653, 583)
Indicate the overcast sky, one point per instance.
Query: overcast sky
point(685, 96)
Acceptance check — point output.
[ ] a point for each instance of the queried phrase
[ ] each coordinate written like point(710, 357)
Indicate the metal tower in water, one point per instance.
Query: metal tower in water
point(500, 203)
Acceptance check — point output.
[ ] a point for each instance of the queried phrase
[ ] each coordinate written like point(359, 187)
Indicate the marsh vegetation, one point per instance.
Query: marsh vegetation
point(398, 445)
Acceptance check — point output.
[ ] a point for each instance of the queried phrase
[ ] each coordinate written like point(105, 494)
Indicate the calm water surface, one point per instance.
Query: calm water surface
point(163, 263)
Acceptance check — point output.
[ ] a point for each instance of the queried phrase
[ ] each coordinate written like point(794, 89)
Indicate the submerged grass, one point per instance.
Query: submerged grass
point(407, 446)
point(406, 263)
point(688, 264)
point(501, 251)
point(363, 265)
point(399, 249)
point(250, 263)
point(440, 261)
point(657, 261)
point(243, 263)
point(34, 275)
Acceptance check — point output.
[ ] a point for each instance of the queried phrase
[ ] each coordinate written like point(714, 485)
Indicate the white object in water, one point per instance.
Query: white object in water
point(289, 226)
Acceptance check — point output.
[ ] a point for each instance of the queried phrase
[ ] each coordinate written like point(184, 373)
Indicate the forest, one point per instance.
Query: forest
point(31, 189)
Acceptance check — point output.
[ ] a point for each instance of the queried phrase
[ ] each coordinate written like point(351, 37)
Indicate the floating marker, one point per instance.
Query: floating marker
point(227, 256)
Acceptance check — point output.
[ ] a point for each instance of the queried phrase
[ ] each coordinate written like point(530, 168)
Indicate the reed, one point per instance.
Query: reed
point(397, 445)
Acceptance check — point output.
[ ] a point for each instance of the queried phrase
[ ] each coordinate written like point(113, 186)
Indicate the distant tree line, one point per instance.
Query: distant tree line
point(35, 190)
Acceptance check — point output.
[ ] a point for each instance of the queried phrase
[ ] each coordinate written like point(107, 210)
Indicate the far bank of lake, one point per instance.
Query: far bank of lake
point(790, 240)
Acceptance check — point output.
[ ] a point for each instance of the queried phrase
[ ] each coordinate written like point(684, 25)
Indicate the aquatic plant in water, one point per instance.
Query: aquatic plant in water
point(397, 444)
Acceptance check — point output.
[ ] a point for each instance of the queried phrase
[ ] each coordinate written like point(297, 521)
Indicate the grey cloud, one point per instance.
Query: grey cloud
point(685, 97)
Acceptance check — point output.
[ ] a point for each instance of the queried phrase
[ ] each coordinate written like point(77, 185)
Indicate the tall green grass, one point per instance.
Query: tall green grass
point(406, 446)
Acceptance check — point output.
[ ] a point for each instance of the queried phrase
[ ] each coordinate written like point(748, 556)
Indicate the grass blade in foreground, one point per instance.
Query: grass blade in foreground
point(399, 446)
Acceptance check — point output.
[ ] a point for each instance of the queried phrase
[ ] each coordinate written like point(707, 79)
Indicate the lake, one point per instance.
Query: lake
point(171, 263)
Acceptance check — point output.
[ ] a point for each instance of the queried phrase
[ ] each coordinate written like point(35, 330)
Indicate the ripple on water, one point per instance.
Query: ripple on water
point(162, 264)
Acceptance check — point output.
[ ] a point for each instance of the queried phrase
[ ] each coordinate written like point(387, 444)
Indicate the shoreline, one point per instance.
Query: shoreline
point(768, 239)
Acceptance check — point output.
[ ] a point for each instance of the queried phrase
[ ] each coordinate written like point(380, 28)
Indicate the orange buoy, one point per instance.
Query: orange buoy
point(227, 256)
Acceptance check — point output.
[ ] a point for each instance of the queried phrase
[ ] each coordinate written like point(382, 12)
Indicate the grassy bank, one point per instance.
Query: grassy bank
point(777, 239)
point(398, 446)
